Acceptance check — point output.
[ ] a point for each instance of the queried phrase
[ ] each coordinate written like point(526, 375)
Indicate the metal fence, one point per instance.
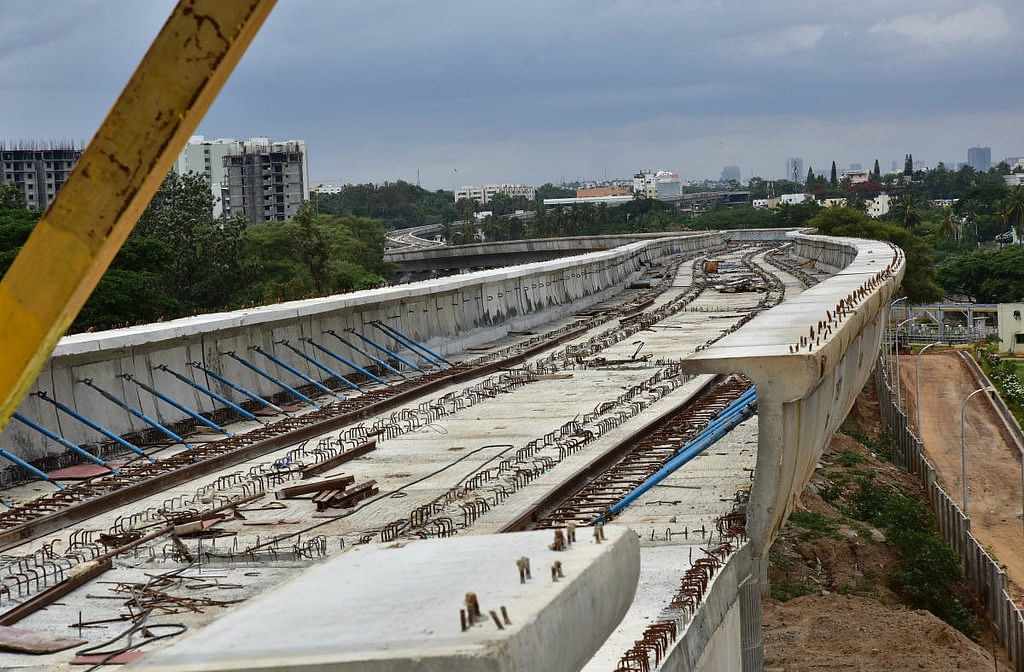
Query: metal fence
point(955, 527)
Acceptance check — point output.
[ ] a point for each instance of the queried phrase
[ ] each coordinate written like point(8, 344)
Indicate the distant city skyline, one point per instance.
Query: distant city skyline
point(380, 91)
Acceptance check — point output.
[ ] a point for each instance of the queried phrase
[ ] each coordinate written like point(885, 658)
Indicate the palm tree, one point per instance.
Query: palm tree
point(949, 225)
point(1013, 210)
point(908, 211)
point(447, 230)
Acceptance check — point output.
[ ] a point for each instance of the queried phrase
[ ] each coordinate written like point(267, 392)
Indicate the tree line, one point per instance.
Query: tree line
point(179, 260)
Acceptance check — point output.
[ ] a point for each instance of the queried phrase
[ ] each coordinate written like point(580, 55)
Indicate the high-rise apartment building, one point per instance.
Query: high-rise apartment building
point(263, 180)
point(979, 158)
point(37, 171)
point(795, 170)
point(730, 174)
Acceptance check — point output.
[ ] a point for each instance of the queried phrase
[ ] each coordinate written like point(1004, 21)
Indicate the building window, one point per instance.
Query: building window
point(1019, 339)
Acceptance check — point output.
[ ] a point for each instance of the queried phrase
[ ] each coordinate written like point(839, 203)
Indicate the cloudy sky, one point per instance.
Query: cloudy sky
point(528, 91)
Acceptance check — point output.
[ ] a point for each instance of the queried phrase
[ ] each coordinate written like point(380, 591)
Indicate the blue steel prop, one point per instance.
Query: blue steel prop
point(236, 387)
point(184, 409)
point(345, 361)
point(328, 370)
point(138, 414)
point(89, 423)
point(298, 373)
point(416, 343)
point(64, 442)
point(209, 393)
point(738, 411)
point(29, 468)
point(383, 349)
point(365, 353)
point(244, 362)
point(400, 340)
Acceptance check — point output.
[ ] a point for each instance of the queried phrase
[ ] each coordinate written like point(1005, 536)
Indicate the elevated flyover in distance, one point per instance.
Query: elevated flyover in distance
point(508, 392)
point(444, 259)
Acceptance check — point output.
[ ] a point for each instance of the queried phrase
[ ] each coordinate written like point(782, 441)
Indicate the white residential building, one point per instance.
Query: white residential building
point(1014, 179)
point(879, 205)
point(326, 189)
point(857, 176)
point(793, 199)
point(283, 174)
point(483, 195)
point(646, 183)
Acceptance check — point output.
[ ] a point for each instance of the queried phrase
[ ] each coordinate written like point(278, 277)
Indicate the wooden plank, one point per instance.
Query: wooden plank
point(50, 595)
point(338, 482)
point(338, 459)
point(357, 494)
point(28, 641)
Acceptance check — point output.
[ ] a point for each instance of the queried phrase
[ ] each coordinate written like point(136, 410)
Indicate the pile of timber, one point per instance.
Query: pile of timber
point(332, 493)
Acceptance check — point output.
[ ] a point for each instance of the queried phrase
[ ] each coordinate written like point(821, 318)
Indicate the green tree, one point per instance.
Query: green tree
point(11, 197)
point(908, 211)
point(877, 172)
point(919, 279)
point(1013, 210)
point(949, 225)
point(834, 179)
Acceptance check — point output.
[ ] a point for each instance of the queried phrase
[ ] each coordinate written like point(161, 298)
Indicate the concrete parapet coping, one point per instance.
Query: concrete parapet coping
point(204, 324)
point(396, 607)
point(764, 349)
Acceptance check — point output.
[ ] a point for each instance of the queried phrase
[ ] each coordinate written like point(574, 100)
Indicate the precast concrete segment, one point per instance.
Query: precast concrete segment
point(808, 357)
point(397, 608)
point(446, 315)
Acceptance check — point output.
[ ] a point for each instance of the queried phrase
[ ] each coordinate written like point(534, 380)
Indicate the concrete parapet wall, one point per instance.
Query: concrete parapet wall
point(448, 314)
point(808, 364)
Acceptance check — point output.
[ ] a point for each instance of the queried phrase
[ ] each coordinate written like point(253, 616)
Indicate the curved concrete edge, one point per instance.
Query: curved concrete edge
point(396, 608)
point(711, 641)
point(805, 393)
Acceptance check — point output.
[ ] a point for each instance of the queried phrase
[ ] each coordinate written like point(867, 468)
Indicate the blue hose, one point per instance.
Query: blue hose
point(733, 414)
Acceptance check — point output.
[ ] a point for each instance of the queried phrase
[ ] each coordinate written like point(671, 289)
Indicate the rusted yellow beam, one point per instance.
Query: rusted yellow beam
point(114, 180)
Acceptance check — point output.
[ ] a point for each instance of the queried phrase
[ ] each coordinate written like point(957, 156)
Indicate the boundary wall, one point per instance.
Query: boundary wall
point(447, 314)
point(955, 527)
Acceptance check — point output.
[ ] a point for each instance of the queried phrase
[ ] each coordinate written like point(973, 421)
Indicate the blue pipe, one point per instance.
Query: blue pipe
point(345, 361)
point(139, 414)
point(385, 350)
point(365, 353)
point(416, 343)
point(235, 387)
point(180, 407)
point(298, 373)
point(28, 467)
point(322, 367)
point(64, 442)
point(86, 421)
point(738, 405)
point(269, 377)
point(210, 393)
point(401, 340)
point(690, 450)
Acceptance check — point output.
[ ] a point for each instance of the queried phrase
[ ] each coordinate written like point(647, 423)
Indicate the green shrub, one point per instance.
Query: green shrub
point(783, 591)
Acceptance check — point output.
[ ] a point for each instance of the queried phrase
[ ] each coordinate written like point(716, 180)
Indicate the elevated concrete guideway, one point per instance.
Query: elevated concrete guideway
point(470, 461)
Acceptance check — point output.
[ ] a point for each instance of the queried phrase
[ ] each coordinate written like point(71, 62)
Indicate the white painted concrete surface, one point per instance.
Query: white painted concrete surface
point(396, 607)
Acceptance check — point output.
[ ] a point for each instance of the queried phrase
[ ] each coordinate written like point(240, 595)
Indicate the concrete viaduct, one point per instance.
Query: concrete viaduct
point(807, 356)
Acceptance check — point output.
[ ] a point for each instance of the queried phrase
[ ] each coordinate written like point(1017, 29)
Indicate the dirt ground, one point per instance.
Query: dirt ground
point(832, 607)
point(993, 465)
point(849, 632)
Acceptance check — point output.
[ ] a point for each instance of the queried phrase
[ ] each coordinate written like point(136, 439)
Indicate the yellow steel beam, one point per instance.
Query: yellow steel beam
point(114, 180)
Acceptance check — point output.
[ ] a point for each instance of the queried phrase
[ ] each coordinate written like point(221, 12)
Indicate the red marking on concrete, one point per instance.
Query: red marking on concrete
point(80, 472)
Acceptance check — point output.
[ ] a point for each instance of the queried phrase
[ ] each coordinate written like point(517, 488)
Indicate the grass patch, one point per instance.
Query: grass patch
point(928, 571)
point(814, 524)
point(849, 458)
point(784, 591)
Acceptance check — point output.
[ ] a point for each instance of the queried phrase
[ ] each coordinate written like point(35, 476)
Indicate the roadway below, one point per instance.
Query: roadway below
point(993, 462)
